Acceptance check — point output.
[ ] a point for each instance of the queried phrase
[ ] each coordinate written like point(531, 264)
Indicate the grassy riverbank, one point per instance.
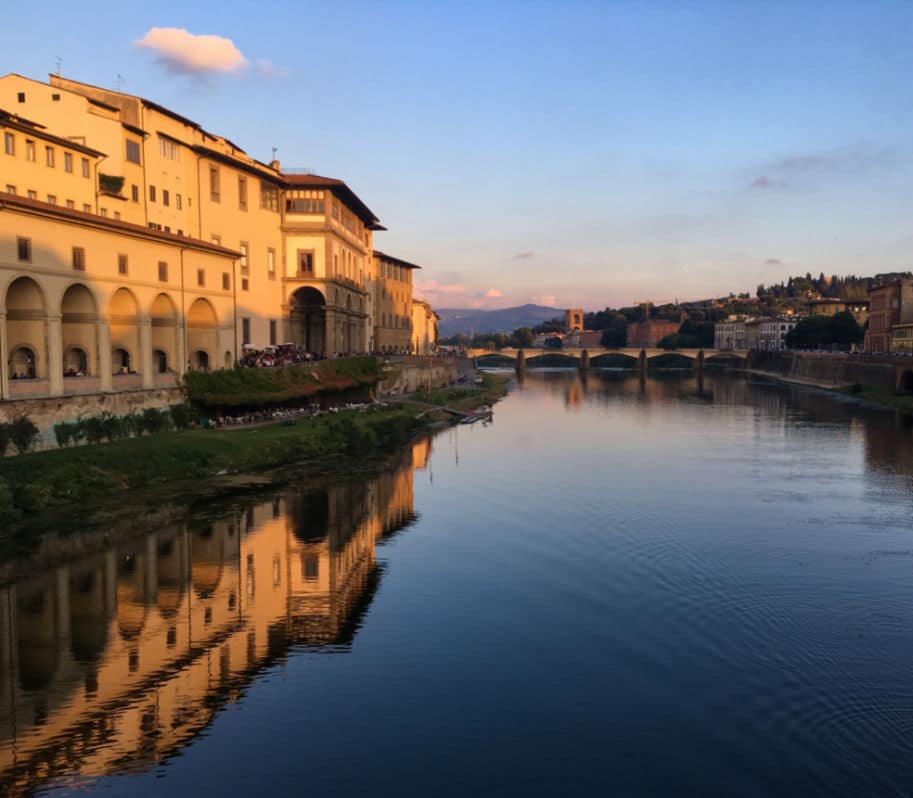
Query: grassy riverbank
point(85, 476)
point(886, 397)
point(493, 387)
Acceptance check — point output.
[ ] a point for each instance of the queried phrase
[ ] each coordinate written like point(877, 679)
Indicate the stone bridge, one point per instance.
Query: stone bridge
point(638, 359)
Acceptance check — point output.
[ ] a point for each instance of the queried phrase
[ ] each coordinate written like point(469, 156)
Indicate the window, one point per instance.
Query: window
point(305, 262)
point(9, 143)
point(32, 194)
point(214, 193)
point(116, 216)
point(272, 332)
point(133, 151)
point(24, 248)
point(71, 205)
point(166, 197)
point(134, 192)
point(29, 150)
point(10, 188)
point(169, 149)
point(298, 205)
point(52, 199)
point(271, 263)
point(216, 239)
point(177, 201)
point(84, 166)
point(245, 269)
point(245, 331)
point(49, 156)
point(121, 264)
point(79, 259)
point(163, 271)
point(201, 277)
point(86, 208)
point(226, 281)
point(269, 196)
point(245, 285)
point(103, 212)
point(55, 98)
point(242, 193)
point(68, 162)
point(21, 96)
point(151, 193)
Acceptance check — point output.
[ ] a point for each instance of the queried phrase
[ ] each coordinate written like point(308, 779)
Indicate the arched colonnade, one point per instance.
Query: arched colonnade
point(71, 337)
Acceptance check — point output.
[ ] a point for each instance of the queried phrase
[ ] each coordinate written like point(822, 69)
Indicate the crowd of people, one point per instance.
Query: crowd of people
point(282, 355)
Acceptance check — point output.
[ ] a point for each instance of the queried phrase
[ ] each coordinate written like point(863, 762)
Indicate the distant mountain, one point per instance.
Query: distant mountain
point(468, 321)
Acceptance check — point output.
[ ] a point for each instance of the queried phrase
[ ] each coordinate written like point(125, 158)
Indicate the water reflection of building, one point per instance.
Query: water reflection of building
point(112, 662)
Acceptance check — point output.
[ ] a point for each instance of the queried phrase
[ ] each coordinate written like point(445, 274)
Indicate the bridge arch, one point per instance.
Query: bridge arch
point(554, 359)
point(613, 360)
point(671, 360)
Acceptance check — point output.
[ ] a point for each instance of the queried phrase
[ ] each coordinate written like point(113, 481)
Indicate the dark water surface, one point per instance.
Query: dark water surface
point(618, 588)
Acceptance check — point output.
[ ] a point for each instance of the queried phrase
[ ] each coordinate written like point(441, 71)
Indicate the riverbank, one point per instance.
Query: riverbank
point(130, 473)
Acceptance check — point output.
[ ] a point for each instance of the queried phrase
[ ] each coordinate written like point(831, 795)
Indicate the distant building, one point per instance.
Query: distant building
point(884, 313)
point(831, 307)
point(424, 328)
point(573, 320)
point(649, 333)
point(730, 334)
point(768, 334)
point(583, 339)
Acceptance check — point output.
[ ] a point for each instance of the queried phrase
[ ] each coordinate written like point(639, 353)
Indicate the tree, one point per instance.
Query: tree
point(523, 337)
point(839, 331)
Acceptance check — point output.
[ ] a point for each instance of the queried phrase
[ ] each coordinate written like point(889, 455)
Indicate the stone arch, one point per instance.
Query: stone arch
point(308, 319)
point(202, 334)
point(26, 329)
point(88, 615)
point(36, 626)
point(164, 319)
point(228, 360)
point(207, 559)
point(79, 331)
point(123, 322)
point(172, 572)
point(131, 594)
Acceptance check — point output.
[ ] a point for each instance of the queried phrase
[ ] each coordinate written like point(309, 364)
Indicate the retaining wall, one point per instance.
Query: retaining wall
point(408, 375)
point(825, 369)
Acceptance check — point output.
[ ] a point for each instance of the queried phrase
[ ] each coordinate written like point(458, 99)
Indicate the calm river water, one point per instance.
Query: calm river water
point(617, 588)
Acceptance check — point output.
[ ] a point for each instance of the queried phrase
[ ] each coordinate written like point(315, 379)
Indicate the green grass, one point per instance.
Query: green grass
point(252, 387)
point(493, 387)
point(882, 396)
point(31, 484)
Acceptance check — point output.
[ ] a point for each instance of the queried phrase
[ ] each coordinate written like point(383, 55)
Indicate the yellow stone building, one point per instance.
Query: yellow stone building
point(392, 302)
point(172, 214)
point(424, 328)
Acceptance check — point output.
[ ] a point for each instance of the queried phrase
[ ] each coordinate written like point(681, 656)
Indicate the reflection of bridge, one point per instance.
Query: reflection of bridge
point(638, 359)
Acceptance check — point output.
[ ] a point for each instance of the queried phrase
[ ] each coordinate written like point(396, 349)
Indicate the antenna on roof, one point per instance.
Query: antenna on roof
point(275, 150)
point(59, 62)
point(120, 79)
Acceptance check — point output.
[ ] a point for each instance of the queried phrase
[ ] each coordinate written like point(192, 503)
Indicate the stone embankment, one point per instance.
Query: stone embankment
point(405, 375)
point(828, 370)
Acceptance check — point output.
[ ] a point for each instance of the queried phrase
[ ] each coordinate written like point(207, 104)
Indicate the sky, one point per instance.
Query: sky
point(575, 154)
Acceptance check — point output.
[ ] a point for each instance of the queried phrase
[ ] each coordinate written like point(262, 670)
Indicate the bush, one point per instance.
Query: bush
point(112, 427)
point(4, 438)
point(154, 420)
point(132, 425)
point(7, 508)
point(63, 432)
point(94, 429)
point(23, 433)
point(180, 416)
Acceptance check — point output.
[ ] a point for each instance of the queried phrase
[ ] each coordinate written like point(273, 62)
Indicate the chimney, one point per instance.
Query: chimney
point(274, 164)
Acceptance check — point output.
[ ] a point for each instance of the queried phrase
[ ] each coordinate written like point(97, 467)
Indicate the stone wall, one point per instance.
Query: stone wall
point(410, 374)
point(824, 369)
point(45, 413)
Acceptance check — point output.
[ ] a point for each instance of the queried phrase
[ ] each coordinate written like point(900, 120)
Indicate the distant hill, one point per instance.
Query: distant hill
point(467, 320)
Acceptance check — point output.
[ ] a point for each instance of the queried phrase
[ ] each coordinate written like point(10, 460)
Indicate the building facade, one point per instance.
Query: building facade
point(767, 334)
point(156, 203)
point(730, 334)
point(650, 332)
point(424, 328)
point(392, 303)
point(884, 312)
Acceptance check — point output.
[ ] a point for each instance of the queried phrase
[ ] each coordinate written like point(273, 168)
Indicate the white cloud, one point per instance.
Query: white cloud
point(183, 52)
point(493, 293)
point(545, 299)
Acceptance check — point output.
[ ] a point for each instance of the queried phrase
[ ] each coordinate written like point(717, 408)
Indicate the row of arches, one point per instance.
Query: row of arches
point(86, 342)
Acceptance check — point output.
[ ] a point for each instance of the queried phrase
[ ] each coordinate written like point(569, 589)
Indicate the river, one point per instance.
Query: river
point(620, 587)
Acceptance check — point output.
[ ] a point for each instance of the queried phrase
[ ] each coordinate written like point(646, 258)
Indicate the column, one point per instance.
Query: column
point(4, 356)
point(700, 362)
point(103, 364)
point(584, 360)
point(181, 348)
point(642, 361)
point(55, 356)
point(521, 361)
point(145, 351)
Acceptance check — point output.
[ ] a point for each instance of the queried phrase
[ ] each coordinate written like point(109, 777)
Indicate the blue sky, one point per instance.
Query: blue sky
point(575, 153)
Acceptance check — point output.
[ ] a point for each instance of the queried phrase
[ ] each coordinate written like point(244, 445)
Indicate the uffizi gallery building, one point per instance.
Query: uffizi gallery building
point(134, 245)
